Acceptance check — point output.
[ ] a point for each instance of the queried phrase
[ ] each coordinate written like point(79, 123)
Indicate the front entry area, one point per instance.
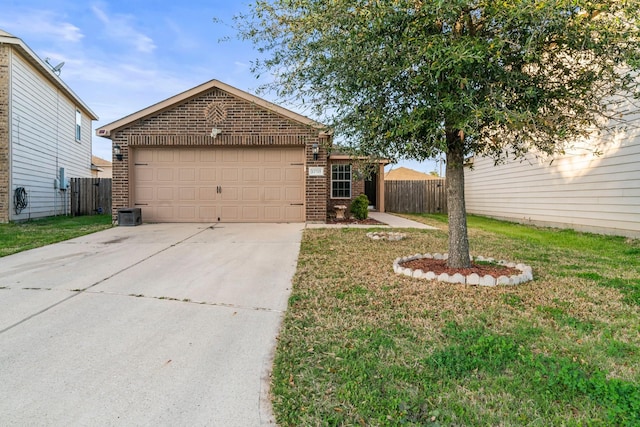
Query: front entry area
point(219, 184)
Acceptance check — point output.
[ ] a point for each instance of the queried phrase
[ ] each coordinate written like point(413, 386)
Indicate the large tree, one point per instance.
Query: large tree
point(416, 78)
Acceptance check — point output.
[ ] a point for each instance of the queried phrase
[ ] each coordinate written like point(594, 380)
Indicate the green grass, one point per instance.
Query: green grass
point(17, 237)
point(363, 346)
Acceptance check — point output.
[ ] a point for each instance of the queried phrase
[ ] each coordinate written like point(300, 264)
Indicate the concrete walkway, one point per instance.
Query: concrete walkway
point(392, 221)
point(159, 325)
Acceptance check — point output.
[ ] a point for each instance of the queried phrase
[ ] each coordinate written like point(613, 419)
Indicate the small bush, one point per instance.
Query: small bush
point(360, 207)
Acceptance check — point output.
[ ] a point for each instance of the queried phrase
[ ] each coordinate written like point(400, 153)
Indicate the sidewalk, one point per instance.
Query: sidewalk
point(391, 221)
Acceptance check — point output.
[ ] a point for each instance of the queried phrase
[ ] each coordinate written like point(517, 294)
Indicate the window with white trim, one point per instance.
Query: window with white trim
point(78, 126)
point(341, 181)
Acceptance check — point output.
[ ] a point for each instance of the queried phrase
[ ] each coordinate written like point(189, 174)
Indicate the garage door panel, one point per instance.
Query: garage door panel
point(230, 194)
point(164, 213)
point(230, 175)
point(144, 156)
point(273, 213)
point(250, 174)
point(274, 156)
point(207, 174)
point(272, 174)
point(145, 193)
point(187, 174)
point(230, 156)
point(250, 194)
point(230, 213)
point(292, 194)
point(208, 156)
point(144, 175)
point(164, 174)
point(250, 156)
point(208, 213)
point(188, 156)
point(187, 213)
point(294, 156)
point(165, 156)
point(272, 194)
point(187, 194)
point(207, 194)
point(250, 213)
point(219, 184)
point(293, 175)
point(293, 212)
point(165, 194)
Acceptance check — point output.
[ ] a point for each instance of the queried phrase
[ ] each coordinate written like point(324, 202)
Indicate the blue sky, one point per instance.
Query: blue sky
point(122, 56)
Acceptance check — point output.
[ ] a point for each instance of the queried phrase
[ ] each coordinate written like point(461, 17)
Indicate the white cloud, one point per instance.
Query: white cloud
point(181, 39)
point(41, 24)
point(121, 28)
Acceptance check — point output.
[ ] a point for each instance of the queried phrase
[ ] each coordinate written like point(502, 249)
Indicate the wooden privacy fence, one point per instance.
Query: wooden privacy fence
point(416, 196)
point(90, 196)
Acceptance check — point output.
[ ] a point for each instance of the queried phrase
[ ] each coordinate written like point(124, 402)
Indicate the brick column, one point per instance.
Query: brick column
point(5, 191)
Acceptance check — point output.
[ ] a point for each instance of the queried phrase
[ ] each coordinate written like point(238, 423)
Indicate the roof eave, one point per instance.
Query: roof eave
point(41, 66)
point(348, 157)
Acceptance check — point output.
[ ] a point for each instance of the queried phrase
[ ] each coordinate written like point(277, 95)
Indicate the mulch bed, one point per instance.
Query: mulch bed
point(439, 266)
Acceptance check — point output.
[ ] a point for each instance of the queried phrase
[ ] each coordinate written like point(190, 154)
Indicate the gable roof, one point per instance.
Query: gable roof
point(99, 161)
point(45, 70)
point(406, 174)
point(168, 103)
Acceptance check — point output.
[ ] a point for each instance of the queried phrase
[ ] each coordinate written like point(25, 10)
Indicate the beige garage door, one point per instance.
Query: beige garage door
point(219, 184)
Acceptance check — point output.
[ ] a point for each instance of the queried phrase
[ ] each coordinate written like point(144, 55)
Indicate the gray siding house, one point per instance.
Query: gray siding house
point(45, 135)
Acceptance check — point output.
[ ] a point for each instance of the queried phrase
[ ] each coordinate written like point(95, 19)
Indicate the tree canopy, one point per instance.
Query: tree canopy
point(415, 78)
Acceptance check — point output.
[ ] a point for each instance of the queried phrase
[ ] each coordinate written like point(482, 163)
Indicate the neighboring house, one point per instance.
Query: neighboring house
point(101, 168)
point(45, 135)
point(580, 190)
point(216, 153)
point(406, 174)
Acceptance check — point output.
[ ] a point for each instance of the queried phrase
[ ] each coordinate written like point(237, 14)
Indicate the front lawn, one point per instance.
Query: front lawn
point(17, 237)
point(362, 346)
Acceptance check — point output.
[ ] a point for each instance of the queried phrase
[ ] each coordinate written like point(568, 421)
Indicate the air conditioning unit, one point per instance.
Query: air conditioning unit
point(129, 216)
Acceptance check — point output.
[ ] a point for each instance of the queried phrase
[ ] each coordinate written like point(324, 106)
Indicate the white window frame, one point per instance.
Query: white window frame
point(341, 173)
point(78, 126)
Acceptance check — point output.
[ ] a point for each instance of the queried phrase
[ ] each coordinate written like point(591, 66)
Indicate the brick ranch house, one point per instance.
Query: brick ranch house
point(215, 153)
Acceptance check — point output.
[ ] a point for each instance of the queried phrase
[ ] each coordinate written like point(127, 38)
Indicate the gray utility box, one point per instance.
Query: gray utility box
point(129, 216)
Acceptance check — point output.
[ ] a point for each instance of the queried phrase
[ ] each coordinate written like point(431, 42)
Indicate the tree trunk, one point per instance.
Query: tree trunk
point(458, 240)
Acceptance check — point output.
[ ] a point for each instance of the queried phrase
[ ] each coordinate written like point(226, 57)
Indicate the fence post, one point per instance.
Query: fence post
point(90, 196)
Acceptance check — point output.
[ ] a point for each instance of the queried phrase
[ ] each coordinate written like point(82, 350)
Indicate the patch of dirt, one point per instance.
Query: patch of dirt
point(368, 221)
point(439, 266)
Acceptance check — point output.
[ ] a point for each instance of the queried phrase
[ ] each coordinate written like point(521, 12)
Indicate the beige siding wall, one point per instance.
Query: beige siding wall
point(578, 190)
point(43, 140)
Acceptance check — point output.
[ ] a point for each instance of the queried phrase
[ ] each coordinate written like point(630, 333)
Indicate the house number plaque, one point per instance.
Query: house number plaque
point(316, 171)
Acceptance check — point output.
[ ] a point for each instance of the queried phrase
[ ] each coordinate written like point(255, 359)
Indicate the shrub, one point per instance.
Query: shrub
point(360, 207)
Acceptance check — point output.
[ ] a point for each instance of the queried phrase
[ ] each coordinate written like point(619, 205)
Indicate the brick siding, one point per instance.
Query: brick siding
point(243, 123)
point(357, 187)
point(5, 191)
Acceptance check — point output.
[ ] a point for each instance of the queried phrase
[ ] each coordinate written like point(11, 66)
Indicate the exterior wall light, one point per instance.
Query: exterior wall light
point(315, 150)
point(118, 152)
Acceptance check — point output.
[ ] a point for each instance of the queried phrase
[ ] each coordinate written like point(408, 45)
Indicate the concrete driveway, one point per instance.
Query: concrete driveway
point(166, 324)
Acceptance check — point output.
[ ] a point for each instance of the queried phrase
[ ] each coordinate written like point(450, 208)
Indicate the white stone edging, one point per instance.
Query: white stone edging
point(386, 235)
point(471, 279)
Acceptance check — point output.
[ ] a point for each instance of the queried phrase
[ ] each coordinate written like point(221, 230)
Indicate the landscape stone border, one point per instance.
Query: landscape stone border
point(471, 279)
point(386, 235)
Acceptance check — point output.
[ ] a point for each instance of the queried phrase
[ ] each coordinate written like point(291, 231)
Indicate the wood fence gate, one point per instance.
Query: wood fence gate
point(90, 196)
point(427, 196)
